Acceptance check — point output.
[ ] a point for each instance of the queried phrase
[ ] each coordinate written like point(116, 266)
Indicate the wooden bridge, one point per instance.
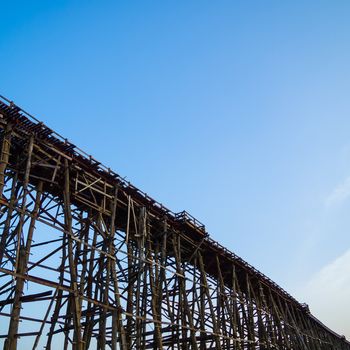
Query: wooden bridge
point(88, 261)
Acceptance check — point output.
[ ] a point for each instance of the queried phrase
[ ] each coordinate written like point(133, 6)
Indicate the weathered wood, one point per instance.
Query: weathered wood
point(127, 273)
point(75, 301)
point(22, 255)
point(5, 155)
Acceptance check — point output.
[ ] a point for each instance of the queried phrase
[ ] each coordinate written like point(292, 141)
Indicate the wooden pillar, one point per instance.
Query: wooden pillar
point(21, 254)
point(183, 295)
point(5, 155)
point(22, 266)
point(211, 308)
point(75, 301)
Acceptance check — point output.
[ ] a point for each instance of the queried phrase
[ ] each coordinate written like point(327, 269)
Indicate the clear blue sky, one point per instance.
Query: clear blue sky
point(237, 111)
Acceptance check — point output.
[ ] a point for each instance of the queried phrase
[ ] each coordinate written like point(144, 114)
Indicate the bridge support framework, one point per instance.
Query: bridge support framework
point(88, 261)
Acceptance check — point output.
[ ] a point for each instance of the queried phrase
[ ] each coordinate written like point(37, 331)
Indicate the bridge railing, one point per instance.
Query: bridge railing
point(185, 217)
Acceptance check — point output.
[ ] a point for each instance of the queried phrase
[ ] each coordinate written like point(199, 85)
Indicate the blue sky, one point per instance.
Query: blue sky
point(237, 111)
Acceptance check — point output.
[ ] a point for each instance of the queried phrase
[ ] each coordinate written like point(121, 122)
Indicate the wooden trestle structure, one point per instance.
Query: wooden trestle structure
point(88, 261)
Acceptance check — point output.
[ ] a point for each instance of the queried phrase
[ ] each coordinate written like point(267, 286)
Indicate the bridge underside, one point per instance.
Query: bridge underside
point(87, 261)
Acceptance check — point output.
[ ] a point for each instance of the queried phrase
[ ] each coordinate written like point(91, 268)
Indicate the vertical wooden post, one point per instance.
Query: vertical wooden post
point(206, 289)
point(21, 254)
point(5, 155)
point(78, 344)
point(11, 342)
point(7, 224)
point(89, 293)
point(202, 296)
point(117, 323)
point(182, 293)
point(225, 306)
point(236, 319)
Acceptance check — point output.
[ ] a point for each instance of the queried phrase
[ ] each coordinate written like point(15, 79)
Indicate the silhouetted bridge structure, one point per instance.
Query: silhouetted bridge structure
point(88, 261)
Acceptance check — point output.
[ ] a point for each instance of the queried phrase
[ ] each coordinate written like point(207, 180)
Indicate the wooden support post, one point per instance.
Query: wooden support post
point(78, 344)
point(155, 296)
point(117, 323)
point(267, 331)
point(202, 296)
point(5, 155)
point(21, 255)
point(235, 318)
point(87, 334)
point(7, 224)
point(226, 307)
point(206, 289)
point(183, 295)
point(24, 251)
point(242, 318)
point(251, 325)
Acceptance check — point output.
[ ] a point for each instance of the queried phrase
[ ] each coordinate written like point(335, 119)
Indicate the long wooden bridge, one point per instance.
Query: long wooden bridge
point(88, 261)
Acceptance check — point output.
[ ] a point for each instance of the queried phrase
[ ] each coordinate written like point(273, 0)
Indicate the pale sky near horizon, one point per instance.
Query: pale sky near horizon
point(237, 111)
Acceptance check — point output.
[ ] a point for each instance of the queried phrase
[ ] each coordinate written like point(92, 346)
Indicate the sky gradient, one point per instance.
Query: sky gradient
point(237, 111)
